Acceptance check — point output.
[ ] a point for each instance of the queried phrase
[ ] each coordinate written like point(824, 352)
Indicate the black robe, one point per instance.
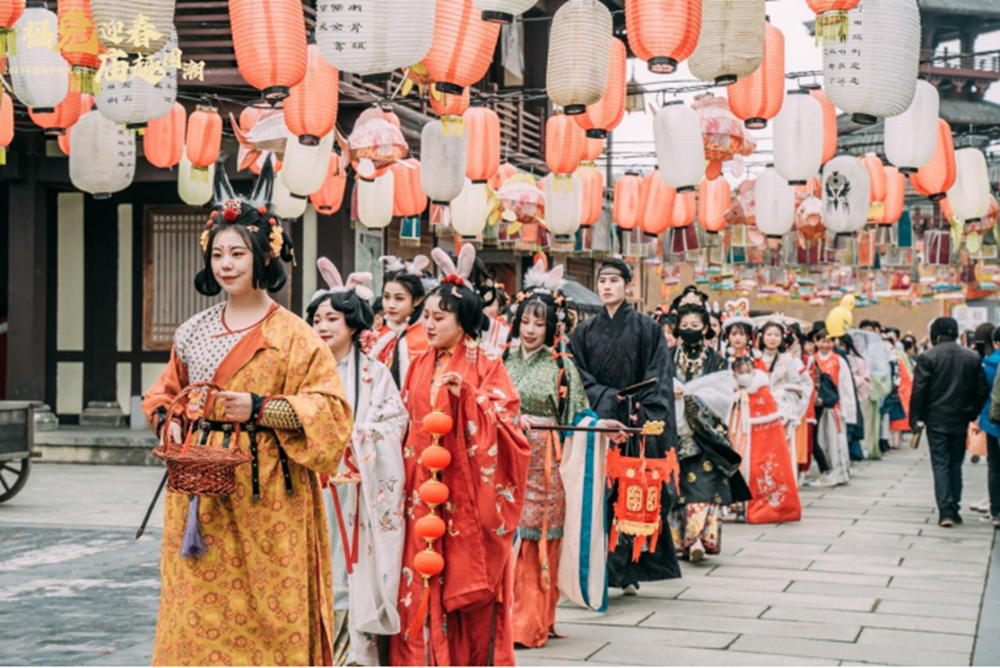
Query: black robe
point(612, 354)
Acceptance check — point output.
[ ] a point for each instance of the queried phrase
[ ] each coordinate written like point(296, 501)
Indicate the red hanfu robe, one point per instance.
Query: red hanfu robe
point(486, 480)
point(413, 342)
point(905, 392)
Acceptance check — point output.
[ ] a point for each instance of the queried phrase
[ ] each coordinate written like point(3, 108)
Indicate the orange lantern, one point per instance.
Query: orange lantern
point(163, 142)
point(563, 144)
point(204, 138)
point(86, 104)
point(78, 44)
point(504, 172)
point(656, 204)
point(463, 46)
point(6, 124)
point(408, 197)
point(713, 201)
point(330, 196)
point(758, 98)
point(430, 526)
point(10, 12)
point(311, 107)
point(663, 32)
point(601, 118)
point(65, 115)
point(270, 44)
point(249, 117)
point(685, 210)
point(592, 149)
point(895, 193)
point(482, 129)
point(935, 178)
point(449, 104)
point(829, 125)
point(592, 182)
point(625, 210)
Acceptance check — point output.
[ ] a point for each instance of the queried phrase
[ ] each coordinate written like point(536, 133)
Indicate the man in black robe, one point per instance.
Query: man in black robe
point(615, 350)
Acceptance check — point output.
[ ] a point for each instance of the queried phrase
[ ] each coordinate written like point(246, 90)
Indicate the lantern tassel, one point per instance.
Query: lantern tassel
point(193, 545)
point(3, 156)
point(832, 27)
point(421, 616)
point(84, 80)
point(8, 43)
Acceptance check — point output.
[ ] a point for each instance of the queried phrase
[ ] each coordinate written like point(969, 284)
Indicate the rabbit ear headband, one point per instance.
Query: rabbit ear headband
point(335, 283)
point(456, 274)
point(416, 267)
point(542, 280)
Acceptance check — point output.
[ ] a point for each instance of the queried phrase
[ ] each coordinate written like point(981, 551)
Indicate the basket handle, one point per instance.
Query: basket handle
point(176, 409)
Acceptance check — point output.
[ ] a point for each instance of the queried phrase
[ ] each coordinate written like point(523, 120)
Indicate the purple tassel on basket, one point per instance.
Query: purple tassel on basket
point(194, 543)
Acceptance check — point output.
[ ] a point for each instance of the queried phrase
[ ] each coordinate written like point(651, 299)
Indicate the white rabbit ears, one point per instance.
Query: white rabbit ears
point(538, 278)
point(335, 283)
point(417, 266)
point(461, 271)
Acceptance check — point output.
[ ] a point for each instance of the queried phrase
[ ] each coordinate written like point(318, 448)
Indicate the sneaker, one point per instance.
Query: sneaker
point(697, 552)
point(630, 590)
point(981, 507)
point(946, 523)
point(825, 480)
point(992, 521)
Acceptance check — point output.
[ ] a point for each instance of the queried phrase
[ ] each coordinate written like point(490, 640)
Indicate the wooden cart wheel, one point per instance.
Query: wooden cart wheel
point(13, 476)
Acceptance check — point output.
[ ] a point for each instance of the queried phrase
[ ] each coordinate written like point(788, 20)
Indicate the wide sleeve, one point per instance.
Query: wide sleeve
point(657, 401)
point(172, 380)
point(918, 400)
point(603, 399)
point(578, 401)
point(848, 401)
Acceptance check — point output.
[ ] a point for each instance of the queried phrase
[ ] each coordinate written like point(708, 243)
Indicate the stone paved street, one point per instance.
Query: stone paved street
point(866, 577)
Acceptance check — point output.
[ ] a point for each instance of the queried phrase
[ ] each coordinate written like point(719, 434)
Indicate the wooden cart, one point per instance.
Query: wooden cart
point(17, 438)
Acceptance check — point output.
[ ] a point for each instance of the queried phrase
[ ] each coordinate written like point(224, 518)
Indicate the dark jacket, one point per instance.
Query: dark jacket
point(986, 421)
point(949, 387)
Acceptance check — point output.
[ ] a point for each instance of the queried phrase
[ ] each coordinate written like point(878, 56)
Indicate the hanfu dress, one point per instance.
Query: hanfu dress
point(397, 346)
point(833, 422)
point(366, 521)
point(494, 341)
point(805, 432)
point(540, 531)
point(899, 399)
point(261, 592)
point(792, 388)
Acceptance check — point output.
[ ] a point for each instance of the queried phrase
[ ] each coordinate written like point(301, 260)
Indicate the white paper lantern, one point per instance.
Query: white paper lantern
point(443, 156)
point(846, 194)
point(194, 191)
point(285, 204)
point(874, 75)
point(304, 168)
point(910, 137)
point(579, 55)
point(101, 157)
point(731, 44)
point(158, 14)
point(469, 210)
point(680, 150)
point(38, 72)
point(775, 203)
point(970, 196)
point(563, 206)
point(375, 200)
point(374, 36)
point(503, 11)
point(137, 101)
point(798, 137)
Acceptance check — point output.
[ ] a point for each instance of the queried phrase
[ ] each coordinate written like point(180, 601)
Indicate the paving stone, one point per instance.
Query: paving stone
point(930, 584)
point(650, 654)
point(902, 622)
point(791, 629)
point(937, 641)
point(892, 571)
point(862, 604)
point(790, 564)
point(561, 649)
point(698, 639)
point(823, 649)
point(888, 594)
point(801, 576)
point(937, 610)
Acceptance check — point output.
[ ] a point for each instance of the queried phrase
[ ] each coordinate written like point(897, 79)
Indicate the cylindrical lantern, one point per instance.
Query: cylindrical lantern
point(731, 45)
point(798, 138)
point(102, 156)
point(895, 195)
point(150, 33)
point(758, 98)
point(936, 176)
point(846, 194)
point(163, 142)
point(303, 168)
point(137, 101)
point(685, 210)
point(10, 12)
point(663, 32)
point(375, 200)
point(592, 183)
point(369, 37)
point(680, 151)
point(829, 125)
point(656, 204)
point(604, 116)
point(775, 203)
point(204, 138)
point(713, 202)
point(911, 136)
point(194, 190)
point(408, 196)
point(876, 179)
point(875, 74)
point(449, 104)
point(311, 107)
point(6, 124)
point(78, 44)
point(444, 150)
point(503, 11)
point(482, 129)
point(564, 143)
point(831, 19)
point(625, 211)
point(970, 195)
point(563, 206)
point(579, 55)
point(592, 149)
point(463, 46)
point(284, 204)
point(59, 121)
point(269, 40)
point(469, 210)
point(38, 72)
point(330, 196)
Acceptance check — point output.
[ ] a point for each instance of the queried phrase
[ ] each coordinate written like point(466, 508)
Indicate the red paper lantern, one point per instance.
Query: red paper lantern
point(656, 204)
point(86, 104)
point(269, 39)
point(895, 194)
point(463, 46)
point(330, 196)
point(438, 423)
point(10, 12)
point(685, 210)
point(450, 104)
point(876, 177)
point(713, 202)
point(66, 114)
point(204, 137)
point(428, 563)
point(433, 492)
point(311, 107)
point(663, 32)
point(592, 149)
point(436, 458)
point(563, 144)
point(592, 181)
point(430, 527)
point(758, 98)
point(935, 178)
point(601, 118)
point(829, 125)
point(625, 207)
point(6, 124)
point(79, 45)
point(163, 142)
point(408, 196)
point(482, 130)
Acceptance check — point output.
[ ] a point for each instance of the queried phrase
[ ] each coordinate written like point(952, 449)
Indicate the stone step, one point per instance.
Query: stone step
point(89, 445)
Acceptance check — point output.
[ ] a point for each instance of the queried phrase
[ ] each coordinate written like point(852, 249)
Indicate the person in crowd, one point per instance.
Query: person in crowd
point(860, 393)
point(495, 298)
point(896, 408)
point(402, 337)
point(791, 386)
point(949, 391)
point(990, 506)
point(801, 348)
point(836, 410)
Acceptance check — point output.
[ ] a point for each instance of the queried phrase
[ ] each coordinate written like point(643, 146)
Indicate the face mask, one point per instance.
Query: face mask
point(744, 379)
point(691, 337)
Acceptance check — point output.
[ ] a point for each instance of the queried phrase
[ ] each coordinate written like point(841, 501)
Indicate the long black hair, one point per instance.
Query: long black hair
point(543, 304)
point(413, 284)
point(358, 313)
point(783, 346)
point(702, 312)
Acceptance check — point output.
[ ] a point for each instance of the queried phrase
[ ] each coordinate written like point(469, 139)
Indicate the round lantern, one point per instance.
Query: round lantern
point(137, 101)
point(204, 138)
point(910, 137)
point(775, 203)
point(829, 125)
point(731, 45)
point(163, 142)
point(758, 98)
point(311, 107)
point(270, 44)
point(159, 20)
point(482, 128)
point(437, 423)
point(194, 190)
point(470, 209)
point(59, 121)
point(303, 168)
point(680, 151)
point(78, 44)
point(503, 11)
point(431, 526)
point(625, 211)
point(463, 46)
point(38, 72)
point(846, 194)
point(369, 37)
point(895, 194)
point(579, 55)
point(408, 197)
point(10, 12)
point(444, 151)
point(375, 200)
point(935, 177)
point(433, 492)
point(713, 202)
point(876, 180)
point(449, 104)
point(604, 116)
point(592, 182)
point(663, 32)
point(685, 210)
point(102, 156)
point(564, 143)
point(563, 206)
point(874, 76)
point(798, 138)
point(656, 204)
point(6, 124)
point(330, 196)
point(970, 195)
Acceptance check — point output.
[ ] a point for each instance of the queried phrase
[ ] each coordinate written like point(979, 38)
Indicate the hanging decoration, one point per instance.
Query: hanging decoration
point(373, 37)
point(449, 104)
point(102, 156)
point(408, 199)
point(163, 142)
point(463, 46)
point(970, 194)
point(680, 151)
point(799, 138)
point(758, 98)
point(86, 104)
point(375, 143)
point(829, 124)
point(521, 202)
point(731, 45)
point(204, 140)
point(375, 201)
point(564, 144)
point(503, 11)
point(713, 201)
point(895, 195)
point(311, 107)
point(663, 33)
point(723, 134)
point(809, 221)
point(304, 167)
point(876, 184)
point(271, 53)
point(685, 210)
point(38, 72)
point(470, 210)
point(6, 124)
point(137, 101)
point(563, 206)
point(775, 202)
point(78, 44)
point(911, 136)
point(625, 211)
point(329, 198)
point(604, 116)
point(10, 12)
point(194, 191)
point(504, 172)
point(592, 183)
point(846, 194)
point(62, 118)
point(656, 204)
point(936, 177)
point(579, 55)
point(482, 128)
point(832, 25)
point(141, 27)
point(444, 151)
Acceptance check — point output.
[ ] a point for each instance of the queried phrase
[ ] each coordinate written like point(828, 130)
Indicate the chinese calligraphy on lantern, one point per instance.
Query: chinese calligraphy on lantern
point(350, 24)
point(842, 62)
